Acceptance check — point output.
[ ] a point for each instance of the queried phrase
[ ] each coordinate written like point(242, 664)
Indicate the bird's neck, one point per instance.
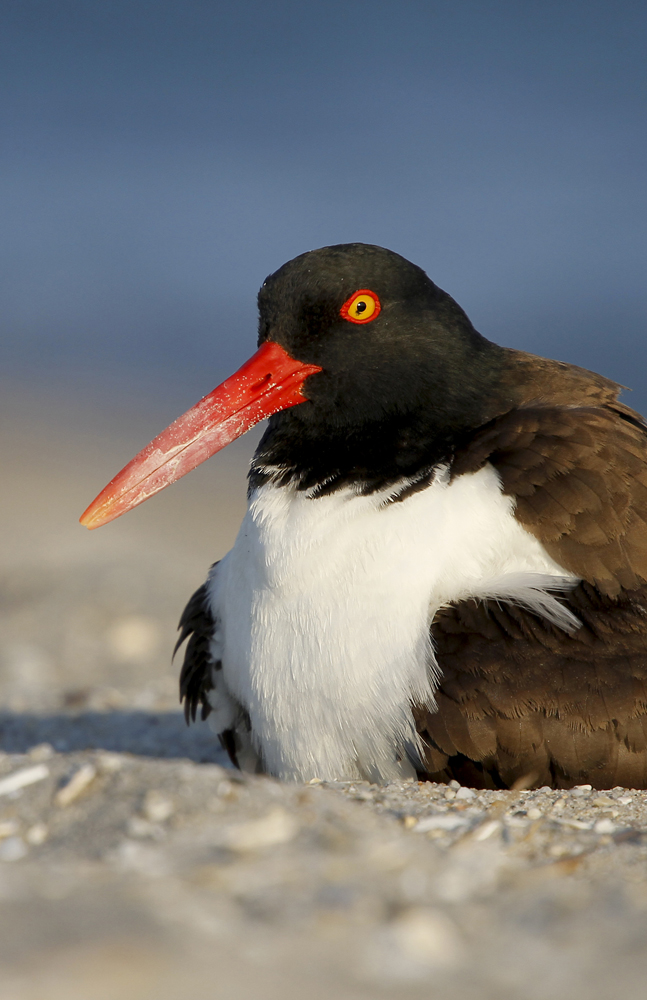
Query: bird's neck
point(403, 447)
point(369, 458)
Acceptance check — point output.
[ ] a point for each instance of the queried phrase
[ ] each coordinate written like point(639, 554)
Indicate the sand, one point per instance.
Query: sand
point(134, 863)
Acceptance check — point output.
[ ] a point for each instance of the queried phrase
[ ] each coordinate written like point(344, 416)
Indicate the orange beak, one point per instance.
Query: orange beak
point(270, 381)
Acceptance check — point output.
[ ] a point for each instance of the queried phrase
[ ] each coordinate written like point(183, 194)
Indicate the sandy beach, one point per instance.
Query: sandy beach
point(135, 863)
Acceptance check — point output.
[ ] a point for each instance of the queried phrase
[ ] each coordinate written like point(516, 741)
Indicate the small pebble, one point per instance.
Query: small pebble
point(572, 823)
point(110, 762)
point(450, 794)
point(76, 785)
point(441, 821)
point(37, 834)
point(605, 826)
point(535, 813)
point(465, 793)
point(277, 827)
point(157, 807)
point(487, 830)
point(42, 751)
point(418, 942)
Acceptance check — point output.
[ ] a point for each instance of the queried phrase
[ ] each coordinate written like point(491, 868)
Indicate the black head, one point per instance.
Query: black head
point(396, 391)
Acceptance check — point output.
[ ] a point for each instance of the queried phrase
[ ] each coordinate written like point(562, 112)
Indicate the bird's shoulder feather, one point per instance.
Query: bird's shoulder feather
point(578, 475)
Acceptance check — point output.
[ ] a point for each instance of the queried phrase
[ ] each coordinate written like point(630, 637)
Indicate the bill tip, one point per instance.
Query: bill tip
point(90, 521)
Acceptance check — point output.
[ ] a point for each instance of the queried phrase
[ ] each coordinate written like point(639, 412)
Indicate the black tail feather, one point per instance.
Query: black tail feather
point(197, 625)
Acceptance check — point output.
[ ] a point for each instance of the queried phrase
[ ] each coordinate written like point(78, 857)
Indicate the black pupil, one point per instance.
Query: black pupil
point(361, 306)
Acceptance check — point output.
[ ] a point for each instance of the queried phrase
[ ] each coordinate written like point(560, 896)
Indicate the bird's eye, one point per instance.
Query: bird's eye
point(362, 307)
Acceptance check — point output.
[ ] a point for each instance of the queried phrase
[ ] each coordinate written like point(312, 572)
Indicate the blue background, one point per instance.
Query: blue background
point(159, 159)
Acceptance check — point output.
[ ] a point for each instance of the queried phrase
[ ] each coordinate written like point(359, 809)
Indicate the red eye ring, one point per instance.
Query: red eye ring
point(352, 308)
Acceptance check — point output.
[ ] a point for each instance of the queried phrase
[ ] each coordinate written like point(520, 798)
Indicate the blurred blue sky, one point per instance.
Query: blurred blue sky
point(159, 158)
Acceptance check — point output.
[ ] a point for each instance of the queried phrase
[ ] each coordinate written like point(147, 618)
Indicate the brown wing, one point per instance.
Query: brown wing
point(519, 697)
point(579, 479)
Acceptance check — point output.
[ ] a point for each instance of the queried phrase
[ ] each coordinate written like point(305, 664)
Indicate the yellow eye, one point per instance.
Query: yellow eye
point(361, 307)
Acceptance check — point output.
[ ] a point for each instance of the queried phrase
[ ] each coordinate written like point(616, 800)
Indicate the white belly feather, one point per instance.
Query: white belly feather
point(325, 606)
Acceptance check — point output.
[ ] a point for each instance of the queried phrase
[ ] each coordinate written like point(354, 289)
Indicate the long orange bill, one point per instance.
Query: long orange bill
point(270, 381)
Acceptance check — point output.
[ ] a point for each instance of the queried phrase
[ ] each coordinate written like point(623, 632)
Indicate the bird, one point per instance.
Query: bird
point(442, 570)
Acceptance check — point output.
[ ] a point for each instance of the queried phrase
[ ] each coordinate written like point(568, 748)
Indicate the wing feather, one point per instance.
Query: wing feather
point(521, 697)
point(579, 478)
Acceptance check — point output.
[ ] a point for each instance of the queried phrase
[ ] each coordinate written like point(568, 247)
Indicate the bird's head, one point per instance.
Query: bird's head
point(361, 360)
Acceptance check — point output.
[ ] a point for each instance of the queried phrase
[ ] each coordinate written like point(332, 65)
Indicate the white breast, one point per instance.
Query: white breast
point(325, 606)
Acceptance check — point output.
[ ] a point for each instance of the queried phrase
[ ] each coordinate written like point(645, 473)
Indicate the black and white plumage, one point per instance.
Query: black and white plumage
point(443, 563)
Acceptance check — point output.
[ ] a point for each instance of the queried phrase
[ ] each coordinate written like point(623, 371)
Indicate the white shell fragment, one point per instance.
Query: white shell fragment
point(76, 785)
point(277, 827)
point(157, 807)
point(441, 821)
point(20, 779)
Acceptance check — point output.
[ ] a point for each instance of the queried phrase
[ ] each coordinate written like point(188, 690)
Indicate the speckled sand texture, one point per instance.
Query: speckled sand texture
point(122, 875)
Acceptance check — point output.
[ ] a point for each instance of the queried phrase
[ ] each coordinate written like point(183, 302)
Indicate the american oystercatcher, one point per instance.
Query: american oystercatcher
point(443, 566)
